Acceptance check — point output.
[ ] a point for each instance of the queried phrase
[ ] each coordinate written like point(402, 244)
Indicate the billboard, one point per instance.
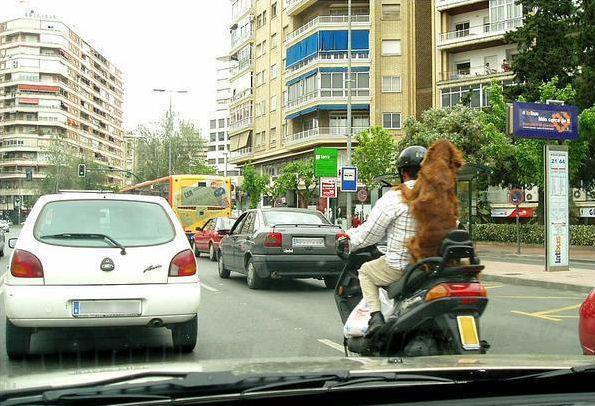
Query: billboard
point(325, 162)
point(557, 208)
point(544, 121)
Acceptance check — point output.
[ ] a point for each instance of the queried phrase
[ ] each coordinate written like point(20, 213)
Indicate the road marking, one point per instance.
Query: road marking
point(536, 297)
point(551, 315)
point(207, 287)
point(2, 278)
point(331, 344)
point(492, 286)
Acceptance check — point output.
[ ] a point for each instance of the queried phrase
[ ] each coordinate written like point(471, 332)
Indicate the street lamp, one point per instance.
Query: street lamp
point(170, 92)
point(225, 154)
point(349, 119)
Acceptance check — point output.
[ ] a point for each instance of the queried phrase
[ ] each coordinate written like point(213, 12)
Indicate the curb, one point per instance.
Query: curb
point(536, 283)
point(494, 254)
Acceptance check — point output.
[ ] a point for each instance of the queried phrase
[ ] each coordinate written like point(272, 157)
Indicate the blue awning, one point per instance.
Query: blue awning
point(302, 113)
point(326, 41)
point(327, 107)
point(302, 77)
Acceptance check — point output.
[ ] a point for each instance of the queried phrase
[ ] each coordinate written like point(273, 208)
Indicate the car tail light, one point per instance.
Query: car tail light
point(273, 240)
point(464, 290)
point(183, 264)
point(342, 235)
point(25, 265)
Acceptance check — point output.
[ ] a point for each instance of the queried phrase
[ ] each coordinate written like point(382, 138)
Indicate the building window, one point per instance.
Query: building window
point(273, 103)
point(462, 29)
point(391, 12)
point(274, 41)
point(213, 137)
point(391, 47)
point(212, 148)
point(222, 136)
point(391, 121)
point(260, 108)
point(273, 136)
point(221, 148)
point(212, 161)
point(213, 124)
point(274, 10)
point(260, 78)
point(221, 123)
point(273, 71)
point(221, 161)
point(391, 84)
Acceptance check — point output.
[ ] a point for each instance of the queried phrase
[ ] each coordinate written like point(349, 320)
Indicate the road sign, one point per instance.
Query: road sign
point(587, 212)
point(82, 170)
point(17, 201)
point(516, 196)
point(325, 162)
point(328, 188)
point(362, 195)
point(349, 179)
point(544, 121)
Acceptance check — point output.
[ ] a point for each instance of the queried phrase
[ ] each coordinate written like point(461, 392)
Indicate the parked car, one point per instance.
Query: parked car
point(5, 226)
point(278, 243)
point(101, 260)
point(207, 239)
point(586, 325)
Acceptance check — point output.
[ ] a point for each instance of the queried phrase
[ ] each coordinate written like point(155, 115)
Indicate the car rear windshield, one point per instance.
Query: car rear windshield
point(130, 223)
point(272, 218)
point(225, 224)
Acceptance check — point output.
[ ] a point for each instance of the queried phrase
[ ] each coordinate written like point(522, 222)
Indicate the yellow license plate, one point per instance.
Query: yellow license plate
point(468, 332)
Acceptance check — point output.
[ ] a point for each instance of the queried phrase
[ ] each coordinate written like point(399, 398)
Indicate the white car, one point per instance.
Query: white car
point(101, 260)
point(5, 226)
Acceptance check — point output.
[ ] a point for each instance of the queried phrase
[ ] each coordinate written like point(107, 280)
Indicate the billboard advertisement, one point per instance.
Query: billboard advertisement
point(544, 121)
point(556, 213)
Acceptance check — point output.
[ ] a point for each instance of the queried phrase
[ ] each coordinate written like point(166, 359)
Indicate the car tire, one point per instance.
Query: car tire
point(330, 282)
point(223, 272)
point(212, 252)
point(196, 253)
point(184, 335)
point(254, 281)
point(18, 340)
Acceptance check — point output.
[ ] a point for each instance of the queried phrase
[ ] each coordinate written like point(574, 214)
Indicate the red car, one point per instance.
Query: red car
point(586, 325)
point(209, 237)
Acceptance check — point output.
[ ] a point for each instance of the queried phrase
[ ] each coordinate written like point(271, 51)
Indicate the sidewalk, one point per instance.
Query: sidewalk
point(578, 254)
point(579, 280)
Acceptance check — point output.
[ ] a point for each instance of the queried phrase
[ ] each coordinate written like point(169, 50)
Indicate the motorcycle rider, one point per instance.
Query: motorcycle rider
point(391, 219)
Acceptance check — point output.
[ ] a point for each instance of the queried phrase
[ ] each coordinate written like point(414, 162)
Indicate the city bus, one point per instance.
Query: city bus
point(194, 198)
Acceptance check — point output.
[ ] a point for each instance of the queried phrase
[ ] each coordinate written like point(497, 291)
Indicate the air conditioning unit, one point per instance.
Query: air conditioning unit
point(579, 195)
point(532, 194)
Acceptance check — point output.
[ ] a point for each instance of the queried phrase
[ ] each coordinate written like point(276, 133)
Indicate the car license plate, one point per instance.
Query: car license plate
point(308, 242)
point(106, 308)
point(468, 332)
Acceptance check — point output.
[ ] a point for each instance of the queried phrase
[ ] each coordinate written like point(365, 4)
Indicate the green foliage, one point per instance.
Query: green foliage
point(297, 176)
point(585, 79)
point(586, 173)
point(254, 185)
point(530, 233)
point(375, 148)
point(152, 147)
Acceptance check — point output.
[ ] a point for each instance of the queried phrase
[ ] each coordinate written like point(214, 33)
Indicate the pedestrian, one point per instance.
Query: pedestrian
point(356, 221)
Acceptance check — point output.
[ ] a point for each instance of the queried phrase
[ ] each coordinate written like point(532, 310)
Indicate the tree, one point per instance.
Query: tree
point(254, 185)
point(585, 79)
point(373, 155)
point(152, 149)
point(297, 176)
point(547, 43)
point(587, 135)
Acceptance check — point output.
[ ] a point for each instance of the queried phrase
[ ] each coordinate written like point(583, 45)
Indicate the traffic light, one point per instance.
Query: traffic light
point(29, 174)
point(82, 170)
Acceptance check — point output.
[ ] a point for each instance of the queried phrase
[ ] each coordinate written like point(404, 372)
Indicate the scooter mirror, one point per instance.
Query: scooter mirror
point(342, 246)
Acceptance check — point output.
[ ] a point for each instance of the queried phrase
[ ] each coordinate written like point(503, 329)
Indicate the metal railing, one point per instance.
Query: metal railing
point(240, 153)
point(327, 20)
point(326, 94)
point(480, 31)
point(320, 133)
point(474, 71)
point(237, 40)
point(241, 67)
point(241, 95)
point(240, 125)
point(328, 57)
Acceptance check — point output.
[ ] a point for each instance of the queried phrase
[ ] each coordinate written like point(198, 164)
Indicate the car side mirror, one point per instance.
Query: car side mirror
point(223, 232)
point(12, 242)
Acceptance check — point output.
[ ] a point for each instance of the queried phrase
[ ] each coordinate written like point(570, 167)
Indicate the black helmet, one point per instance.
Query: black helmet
point(411, 159)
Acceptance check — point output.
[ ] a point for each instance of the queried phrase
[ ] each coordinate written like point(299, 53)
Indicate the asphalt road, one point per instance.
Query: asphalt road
point(292, 318)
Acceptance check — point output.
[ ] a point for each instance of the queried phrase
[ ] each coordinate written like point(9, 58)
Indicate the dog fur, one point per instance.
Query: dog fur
point(433, 201)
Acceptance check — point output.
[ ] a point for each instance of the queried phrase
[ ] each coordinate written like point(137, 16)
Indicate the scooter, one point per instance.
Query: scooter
point(437, 303)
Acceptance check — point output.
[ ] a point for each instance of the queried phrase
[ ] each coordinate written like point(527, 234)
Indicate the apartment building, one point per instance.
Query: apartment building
point(54, 84)
point(218, 140)
point(289, 74)
point(470, 50)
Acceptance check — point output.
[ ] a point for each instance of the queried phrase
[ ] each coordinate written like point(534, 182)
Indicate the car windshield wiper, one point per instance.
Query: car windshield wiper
point(558, 373)
point(87, 236)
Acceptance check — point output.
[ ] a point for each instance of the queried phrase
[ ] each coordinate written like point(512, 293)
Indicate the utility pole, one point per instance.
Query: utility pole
point(349, 126)
point(170, 124)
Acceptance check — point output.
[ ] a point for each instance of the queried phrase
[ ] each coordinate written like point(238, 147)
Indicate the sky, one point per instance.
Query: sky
point(169, 44)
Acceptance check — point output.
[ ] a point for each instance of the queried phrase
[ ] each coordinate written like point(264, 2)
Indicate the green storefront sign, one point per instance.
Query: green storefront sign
point(325, 162)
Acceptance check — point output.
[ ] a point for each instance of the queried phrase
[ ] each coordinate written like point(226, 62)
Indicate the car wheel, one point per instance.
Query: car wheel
point(212, 253)
point(330, 282)
point(184, 335)
point(223, 272)
point(196, 252)
point(254, 281)
point(17, 341)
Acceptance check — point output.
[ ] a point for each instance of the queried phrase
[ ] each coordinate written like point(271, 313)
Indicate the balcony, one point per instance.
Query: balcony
point(359, 58)
point(472, 36)
point(239, 41)
point(358, 21)
point(450, 4)
point(241, 96)
point(240, 153)
point(241, 125)
point(474, 73)
point(239, 12)
point(243, 66)
point(294, 7)
point(338, 134)
point(333, 96)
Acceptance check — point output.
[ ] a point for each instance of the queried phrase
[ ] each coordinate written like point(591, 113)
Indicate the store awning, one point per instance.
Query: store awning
point(239, 141)
point(327, 107)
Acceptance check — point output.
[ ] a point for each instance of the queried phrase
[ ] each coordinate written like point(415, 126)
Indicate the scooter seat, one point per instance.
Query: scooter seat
point(395, 289)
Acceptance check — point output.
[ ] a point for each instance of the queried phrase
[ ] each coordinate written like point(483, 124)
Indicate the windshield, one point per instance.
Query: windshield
point(130, 223)
point(296, 184)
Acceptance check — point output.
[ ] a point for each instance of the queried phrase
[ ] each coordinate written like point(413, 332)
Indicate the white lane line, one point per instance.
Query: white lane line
point(331, 344)
point(207, 287)
point(2, 278)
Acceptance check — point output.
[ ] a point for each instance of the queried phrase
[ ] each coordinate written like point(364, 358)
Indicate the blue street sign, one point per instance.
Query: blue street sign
point(349, 179)
point(544, 121)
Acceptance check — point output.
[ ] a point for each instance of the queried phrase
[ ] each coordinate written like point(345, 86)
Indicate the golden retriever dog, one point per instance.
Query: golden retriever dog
point(433, 201)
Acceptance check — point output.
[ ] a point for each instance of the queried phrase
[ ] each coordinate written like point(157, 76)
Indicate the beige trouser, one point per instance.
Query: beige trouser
point(375, 274)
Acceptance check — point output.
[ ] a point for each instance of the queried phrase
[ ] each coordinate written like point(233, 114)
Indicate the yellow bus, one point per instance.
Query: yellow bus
point(194, 198)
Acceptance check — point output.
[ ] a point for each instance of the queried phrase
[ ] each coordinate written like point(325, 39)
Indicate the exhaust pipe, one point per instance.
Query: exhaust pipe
point(156, 323)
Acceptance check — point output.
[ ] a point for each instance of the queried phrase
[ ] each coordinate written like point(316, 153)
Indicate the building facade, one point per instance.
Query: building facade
point(289, 74)
point(470, 50)
point(218, 140)
point(53, 84)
